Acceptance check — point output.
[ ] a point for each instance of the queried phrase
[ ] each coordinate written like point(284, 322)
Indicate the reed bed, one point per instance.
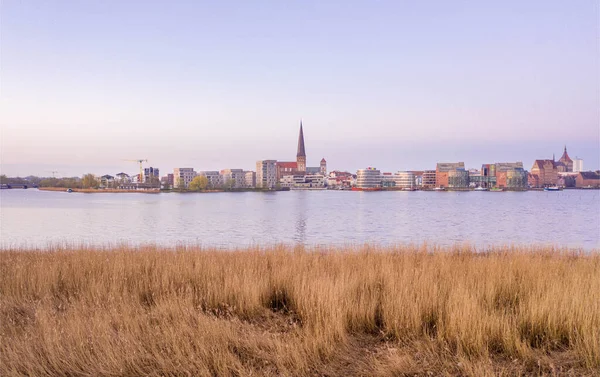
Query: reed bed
point(290, 311)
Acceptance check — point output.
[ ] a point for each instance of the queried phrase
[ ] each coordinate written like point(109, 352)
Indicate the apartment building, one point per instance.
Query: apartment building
point(183, 177)
point(266, 174)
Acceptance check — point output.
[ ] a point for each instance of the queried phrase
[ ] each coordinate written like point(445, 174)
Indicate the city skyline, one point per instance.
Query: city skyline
point(392, 85)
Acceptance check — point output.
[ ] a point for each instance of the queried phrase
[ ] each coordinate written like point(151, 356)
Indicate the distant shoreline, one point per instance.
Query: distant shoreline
point(94, 191)
point(157, 191)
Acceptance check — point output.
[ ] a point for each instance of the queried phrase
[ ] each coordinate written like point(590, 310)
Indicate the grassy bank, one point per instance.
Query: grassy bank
point(362, 311)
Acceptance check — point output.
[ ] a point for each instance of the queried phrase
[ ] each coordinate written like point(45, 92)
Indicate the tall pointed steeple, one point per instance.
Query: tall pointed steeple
point(301, 152)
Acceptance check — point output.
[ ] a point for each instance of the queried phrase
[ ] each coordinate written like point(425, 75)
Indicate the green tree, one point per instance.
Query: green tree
point(180, 184)
point(89, 181)
point(199, 183)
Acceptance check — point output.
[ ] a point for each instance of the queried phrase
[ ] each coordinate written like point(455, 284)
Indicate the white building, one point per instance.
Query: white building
point(303, 182)
point(404, 180)
point(183, 176)
point(250, 178)
point(577, 165)
point(368, 178)
point(215, 180)
point(233, 178)
point(266, 174)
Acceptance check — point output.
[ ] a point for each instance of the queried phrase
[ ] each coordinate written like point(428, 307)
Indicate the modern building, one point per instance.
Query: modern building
point(107, 181)
point(123, 178)
point(513, 179)
point(303, 182)
point(266, 174)
point(565, 164)
point(387, 180)
point(545, 173)
point(167, 181)
point(404, 180)
point(250, 179)
point(442, 170)
point(151, 175)
point(428, 180)
point(588, 179)
point(458, 179)
point(506, 175)
point(182, 177)
point(215, 180)
point(368, 179)
point(577, 165)
point(233, 178)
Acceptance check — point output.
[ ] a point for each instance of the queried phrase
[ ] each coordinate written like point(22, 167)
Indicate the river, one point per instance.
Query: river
point(569, 218)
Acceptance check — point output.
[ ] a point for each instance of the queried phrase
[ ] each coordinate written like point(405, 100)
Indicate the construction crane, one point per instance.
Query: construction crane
point(53, 173)
point(140, 161)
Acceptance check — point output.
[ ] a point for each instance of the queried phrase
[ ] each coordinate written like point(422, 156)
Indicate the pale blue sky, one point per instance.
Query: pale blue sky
point(393, 84)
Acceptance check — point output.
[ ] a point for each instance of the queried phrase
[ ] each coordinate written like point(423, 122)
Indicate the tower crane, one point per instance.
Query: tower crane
point(140, 161)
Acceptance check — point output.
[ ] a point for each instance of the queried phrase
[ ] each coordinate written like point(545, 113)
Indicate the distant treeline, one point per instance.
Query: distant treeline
point(88, 181)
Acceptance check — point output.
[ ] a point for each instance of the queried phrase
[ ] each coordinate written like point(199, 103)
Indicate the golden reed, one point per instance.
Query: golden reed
point(284, 311)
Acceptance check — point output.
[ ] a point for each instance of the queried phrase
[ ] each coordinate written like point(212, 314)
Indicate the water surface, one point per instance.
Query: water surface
point(37, 218)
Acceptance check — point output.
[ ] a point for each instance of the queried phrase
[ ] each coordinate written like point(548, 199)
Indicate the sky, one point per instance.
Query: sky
point(398, 85)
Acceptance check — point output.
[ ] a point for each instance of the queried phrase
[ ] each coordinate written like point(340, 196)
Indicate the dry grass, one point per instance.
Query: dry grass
point(293, 312)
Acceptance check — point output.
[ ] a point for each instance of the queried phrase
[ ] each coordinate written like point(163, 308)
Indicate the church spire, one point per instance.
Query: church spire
point(301, 152)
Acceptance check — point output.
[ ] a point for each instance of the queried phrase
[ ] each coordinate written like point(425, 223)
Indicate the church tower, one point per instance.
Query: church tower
point(301, 154)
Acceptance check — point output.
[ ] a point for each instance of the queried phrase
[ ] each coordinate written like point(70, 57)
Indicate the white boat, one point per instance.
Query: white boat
point(479, 188)
point(439, 189)
point(552, 188)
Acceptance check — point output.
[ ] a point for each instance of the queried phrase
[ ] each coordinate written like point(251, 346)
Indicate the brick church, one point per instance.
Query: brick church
point(299, 167)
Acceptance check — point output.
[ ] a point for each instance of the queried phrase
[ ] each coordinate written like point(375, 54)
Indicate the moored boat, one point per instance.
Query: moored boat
point(479, 188)
point(552, 188)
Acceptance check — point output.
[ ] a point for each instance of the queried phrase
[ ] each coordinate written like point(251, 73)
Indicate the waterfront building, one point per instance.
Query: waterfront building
point(266, 174)
point(166, 181)
point(340, 179)
point(303, 182)
point(123, 178)
point(387, 180)
point(577, 165)
point(404, 180)
point(588, 179)
point(299, 167)
point(458, 179)
point(442, 170)
point(182, 177)
point(151, 175)
point(294, 167)
point(512, 179)
point(565, 164)
point(567, 179)
point(369, 178)
point(250, 179)
point(323, 167)
point(215, 180)
point(428, 181)
point(233, 178)
point(546, 172)
point(107, 181)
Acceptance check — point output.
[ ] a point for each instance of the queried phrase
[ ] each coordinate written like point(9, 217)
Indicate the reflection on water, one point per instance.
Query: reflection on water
point(567, 218)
